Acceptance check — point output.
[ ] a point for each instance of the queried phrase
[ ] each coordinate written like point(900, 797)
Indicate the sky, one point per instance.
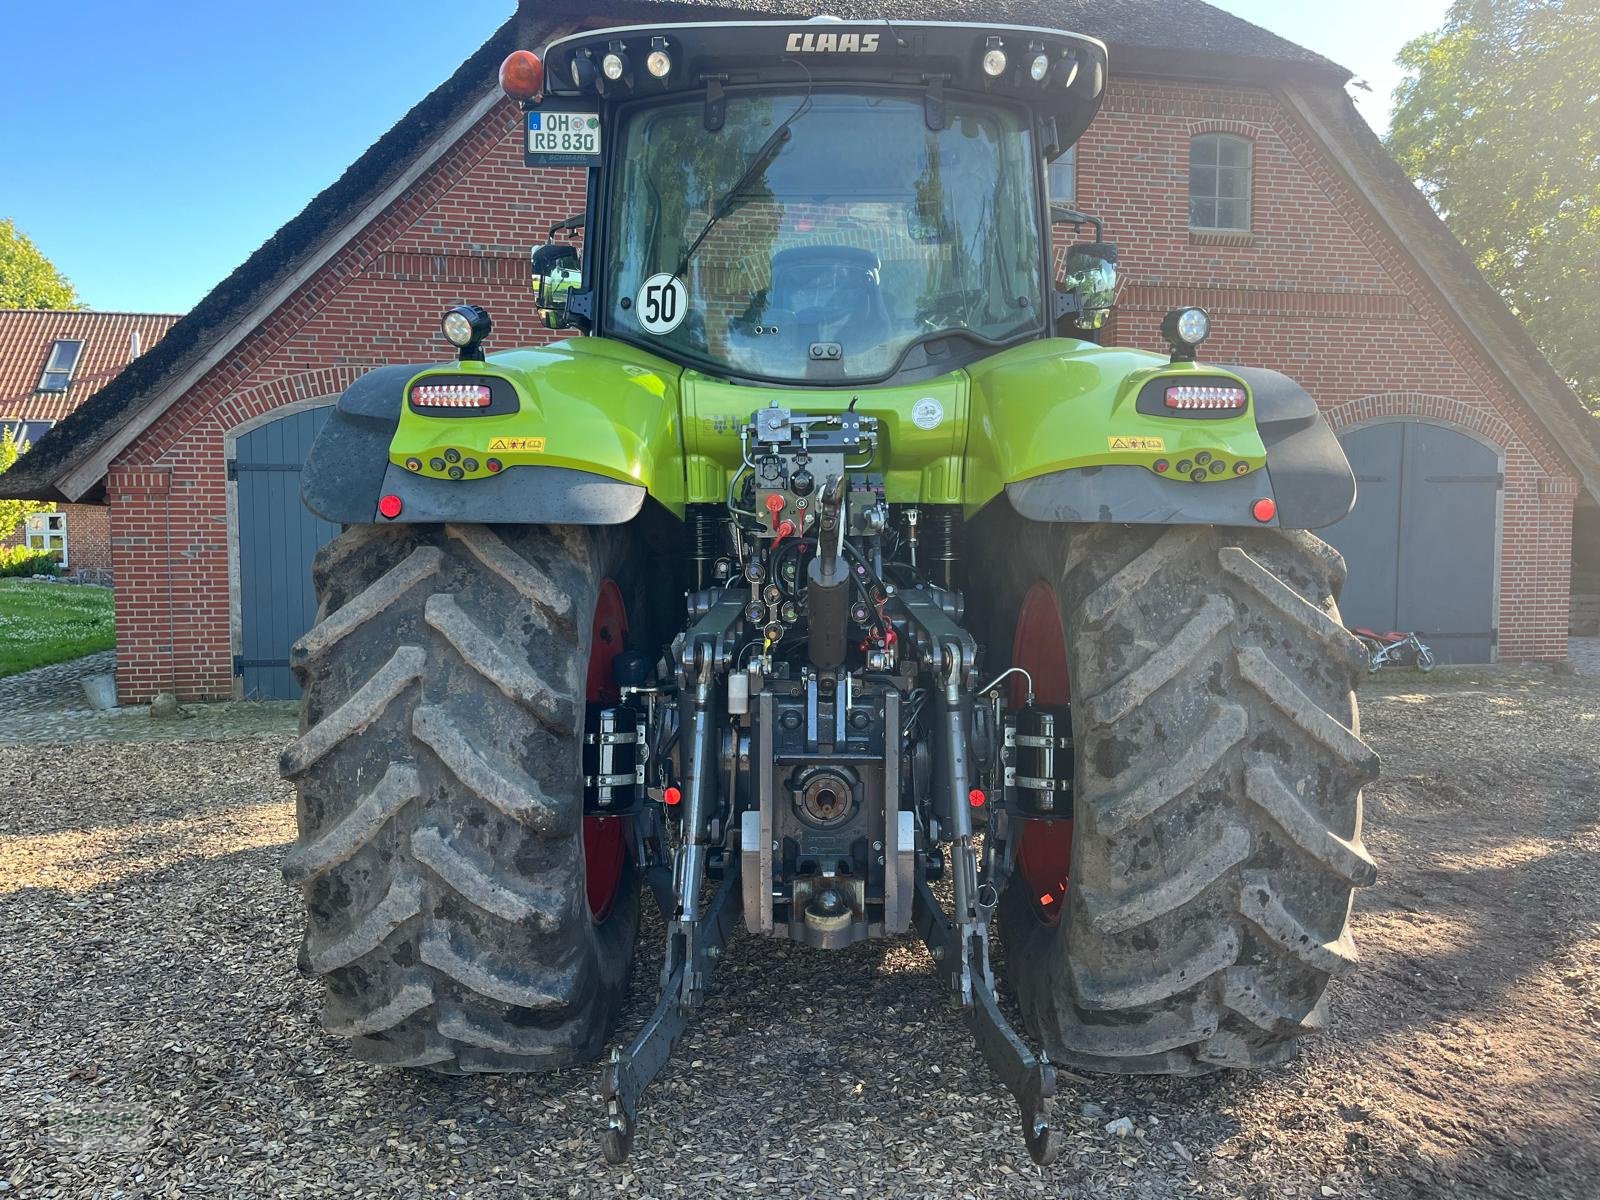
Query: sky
point(148, 148)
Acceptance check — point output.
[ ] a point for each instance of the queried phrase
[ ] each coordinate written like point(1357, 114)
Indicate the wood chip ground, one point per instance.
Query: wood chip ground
point(155, 1039)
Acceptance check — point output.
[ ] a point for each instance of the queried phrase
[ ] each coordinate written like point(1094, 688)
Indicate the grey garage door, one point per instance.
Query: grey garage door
point(1421, 541)
point(277, 539)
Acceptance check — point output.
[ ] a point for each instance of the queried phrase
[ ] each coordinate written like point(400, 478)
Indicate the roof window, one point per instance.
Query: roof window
point(58, 369)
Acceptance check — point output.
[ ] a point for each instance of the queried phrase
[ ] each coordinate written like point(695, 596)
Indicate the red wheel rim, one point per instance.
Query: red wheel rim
point(604, 847)
point(1044, 848)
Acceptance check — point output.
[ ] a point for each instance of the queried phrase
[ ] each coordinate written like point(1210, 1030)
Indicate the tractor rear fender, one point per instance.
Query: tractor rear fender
point(575, 432)
point(1071, 431)
point(1310, 476)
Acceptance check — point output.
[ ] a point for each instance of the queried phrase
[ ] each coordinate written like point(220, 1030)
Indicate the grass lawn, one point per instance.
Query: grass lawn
point(43, 623)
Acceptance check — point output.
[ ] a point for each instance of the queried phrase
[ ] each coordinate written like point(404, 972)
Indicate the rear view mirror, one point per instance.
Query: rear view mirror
point(1088, 288)
point(556, 271)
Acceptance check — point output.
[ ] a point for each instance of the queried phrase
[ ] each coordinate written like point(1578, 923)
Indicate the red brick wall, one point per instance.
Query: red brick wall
point(1319, 292)
point(1315, 291)
point(463, 232)
point(88, 537)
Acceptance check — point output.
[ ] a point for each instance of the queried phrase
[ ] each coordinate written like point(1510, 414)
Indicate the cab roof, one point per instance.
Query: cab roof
point(971, 57)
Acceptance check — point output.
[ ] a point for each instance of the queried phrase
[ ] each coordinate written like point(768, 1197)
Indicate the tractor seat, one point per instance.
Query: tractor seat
point(834, 293)
point(1391, 636)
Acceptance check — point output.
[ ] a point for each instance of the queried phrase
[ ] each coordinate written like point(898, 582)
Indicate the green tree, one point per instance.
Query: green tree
point(27, 278)
point(1498, 121)
point(13, 512)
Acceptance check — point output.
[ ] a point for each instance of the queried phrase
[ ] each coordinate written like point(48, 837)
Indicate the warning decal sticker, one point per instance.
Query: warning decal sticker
point(1126, 442)
point(531, 445)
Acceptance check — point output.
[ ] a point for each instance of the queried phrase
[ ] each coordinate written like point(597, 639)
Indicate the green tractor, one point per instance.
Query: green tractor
point(836, 583)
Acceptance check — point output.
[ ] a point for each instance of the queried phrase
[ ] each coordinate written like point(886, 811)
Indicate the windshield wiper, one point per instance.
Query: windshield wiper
point(730, 198)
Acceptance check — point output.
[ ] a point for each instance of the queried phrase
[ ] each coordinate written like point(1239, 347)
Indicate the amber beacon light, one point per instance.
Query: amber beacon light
point(522, 75)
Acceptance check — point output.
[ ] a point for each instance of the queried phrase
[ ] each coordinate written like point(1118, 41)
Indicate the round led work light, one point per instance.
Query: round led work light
point(994, 59)
point(1065, 72)
point(1184, 329)
point(584, 73)
point(465, 326)
point(658, 62)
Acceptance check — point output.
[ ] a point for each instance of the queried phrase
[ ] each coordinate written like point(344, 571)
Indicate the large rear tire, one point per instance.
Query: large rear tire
point(1217, 818)
point(452, 908)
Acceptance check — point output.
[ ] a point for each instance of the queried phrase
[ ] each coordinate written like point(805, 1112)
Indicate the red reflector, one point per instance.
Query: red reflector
point(976, 798)
point(1264, 509)
point(1047, 899)
point(494, 466)
point(451, 395)
point(672, 796)
point(1188, 396)
point(522, 75)
point(1162, 466)
point(390, 506)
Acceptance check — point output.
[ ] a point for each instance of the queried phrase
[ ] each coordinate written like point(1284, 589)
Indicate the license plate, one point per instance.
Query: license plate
point(563, 139)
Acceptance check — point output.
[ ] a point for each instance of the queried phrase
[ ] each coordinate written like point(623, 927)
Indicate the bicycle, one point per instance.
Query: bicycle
point(1394, 649)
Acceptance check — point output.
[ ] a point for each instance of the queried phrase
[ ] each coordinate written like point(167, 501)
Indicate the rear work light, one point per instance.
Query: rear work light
point(451, 395)
point(1188, 397)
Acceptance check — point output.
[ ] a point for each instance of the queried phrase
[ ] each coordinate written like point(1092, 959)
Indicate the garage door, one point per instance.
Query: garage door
point(277, 539)
point(1421, 541)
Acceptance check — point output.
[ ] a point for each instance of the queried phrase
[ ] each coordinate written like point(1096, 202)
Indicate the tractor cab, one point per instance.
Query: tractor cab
point(823, 203)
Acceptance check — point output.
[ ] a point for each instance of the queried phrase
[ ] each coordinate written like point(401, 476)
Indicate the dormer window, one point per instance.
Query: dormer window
point(58, 369)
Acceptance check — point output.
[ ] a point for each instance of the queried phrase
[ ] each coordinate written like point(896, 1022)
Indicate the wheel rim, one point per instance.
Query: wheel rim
point(605, 850)
point(1044, 848)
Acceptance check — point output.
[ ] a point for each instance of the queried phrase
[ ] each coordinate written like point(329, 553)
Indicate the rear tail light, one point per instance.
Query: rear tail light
point(451, 395)
point(1189, 397)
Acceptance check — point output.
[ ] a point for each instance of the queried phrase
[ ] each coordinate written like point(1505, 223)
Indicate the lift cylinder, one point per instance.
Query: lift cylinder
point(828, 599)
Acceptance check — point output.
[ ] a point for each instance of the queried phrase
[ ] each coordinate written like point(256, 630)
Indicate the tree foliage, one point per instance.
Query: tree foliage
point(27, 278)
point(13, 512)
point(1499, 122)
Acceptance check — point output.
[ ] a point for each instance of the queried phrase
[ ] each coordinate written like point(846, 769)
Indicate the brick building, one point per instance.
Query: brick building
point(51, 362)
point(1231, 168)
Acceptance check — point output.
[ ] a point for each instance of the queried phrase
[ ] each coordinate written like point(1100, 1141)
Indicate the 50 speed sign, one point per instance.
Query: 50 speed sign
point(662, 303)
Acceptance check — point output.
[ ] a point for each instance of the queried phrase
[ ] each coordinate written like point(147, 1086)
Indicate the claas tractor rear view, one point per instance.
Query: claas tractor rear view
point(837, 584)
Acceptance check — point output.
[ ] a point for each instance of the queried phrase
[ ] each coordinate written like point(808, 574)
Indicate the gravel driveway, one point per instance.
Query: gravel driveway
point(155, 1039)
